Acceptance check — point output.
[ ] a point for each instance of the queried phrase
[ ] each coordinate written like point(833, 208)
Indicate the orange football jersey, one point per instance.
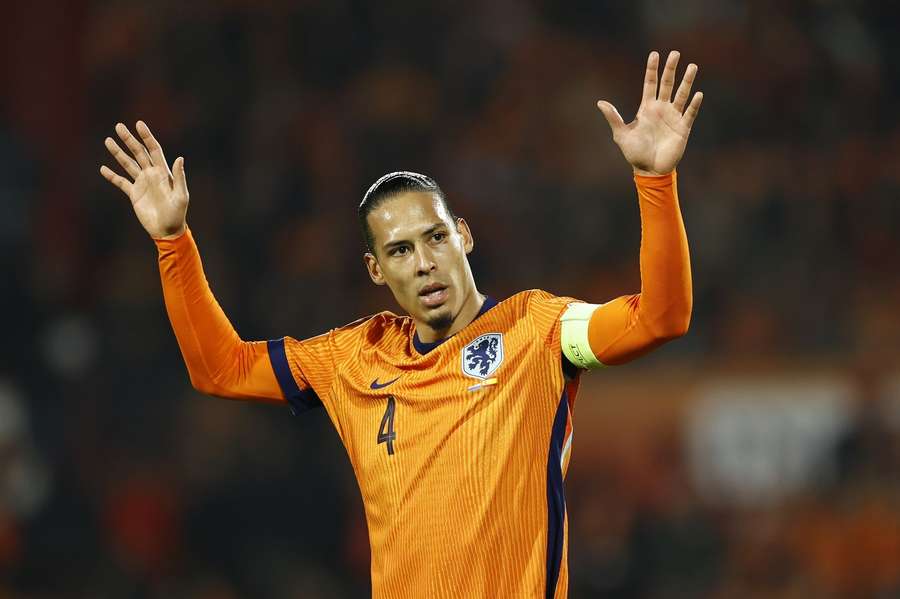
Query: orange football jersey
point(459, 447)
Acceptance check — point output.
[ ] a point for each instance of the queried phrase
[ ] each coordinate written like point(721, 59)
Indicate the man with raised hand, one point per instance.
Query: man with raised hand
point(458, 417)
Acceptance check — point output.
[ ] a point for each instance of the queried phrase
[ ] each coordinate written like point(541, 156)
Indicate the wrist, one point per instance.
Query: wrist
point(168, 236)
point(656, 181)
point(643, 173)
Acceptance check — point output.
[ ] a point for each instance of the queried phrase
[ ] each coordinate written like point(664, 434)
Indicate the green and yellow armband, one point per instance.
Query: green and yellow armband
point(574, 335)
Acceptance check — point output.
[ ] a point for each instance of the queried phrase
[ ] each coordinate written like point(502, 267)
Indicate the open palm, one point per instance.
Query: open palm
point(654, 141)
point(159, 197)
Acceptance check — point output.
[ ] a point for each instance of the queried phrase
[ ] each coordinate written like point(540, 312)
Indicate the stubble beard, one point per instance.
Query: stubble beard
point(440, 322)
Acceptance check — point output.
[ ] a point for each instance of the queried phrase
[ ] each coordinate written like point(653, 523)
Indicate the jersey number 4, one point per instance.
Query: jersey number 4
point(386, 432)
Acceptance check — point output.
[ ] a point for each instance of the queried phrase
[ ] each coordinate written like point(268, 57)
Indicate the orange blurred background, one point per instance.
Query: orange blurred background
point(759, 456)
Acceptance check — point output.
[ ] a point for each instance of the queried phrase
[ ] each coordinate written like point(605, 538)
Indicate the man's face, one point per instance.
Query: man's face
point(420, 254)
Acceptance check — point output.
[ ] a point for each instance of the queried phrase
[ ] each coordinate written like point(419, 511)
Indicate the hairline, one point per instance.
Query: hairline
point(436, 195)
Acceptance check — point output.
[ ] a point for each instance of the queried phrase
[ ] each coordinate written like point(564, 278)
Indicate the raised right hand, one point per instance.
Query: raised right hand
point(159, 197)
point(654, 142)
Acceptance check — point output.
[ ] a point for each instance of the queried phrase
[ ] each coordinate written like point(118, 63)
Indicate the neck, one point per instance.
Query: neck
point(471, 305)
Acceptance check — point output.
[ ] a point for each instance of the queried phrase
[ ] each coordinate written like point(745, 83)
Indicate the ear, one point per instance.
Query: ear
point(374, 268)
point(468, 240)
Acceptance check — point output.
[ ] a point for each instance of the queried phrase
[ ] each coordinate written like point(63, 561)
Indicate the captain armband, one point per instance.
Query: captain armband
point(574, 335)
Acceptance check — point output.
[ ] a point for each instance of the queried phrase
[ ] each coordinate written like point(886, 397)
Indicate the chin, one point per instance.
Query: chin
point(441, 319)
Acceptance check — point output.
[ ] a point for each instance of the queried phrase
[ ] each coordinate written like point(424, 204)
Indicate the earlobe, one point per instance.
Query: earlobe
point(374, 269)
point(468, 241)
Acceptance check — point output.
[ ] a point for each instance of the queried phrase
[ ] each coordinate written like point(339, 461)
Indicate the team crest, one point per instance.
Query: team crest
point(483, 356)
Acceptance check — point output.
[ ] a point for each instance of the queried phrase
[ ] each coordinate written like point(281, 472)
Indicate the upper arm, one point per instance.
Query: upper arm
point(306, 369)
point(607, 334)
point(247, 375)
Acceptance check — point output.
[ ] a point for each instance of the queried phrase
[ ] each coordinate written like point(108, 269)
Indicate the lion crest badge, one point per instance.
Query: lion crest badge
point(483, 356)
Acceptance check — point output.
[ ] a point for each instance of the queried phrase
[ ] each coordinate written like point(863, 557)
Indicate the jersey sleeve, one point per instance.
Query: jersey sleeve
point(632, 325)
point(219, 362)
point(306, 368)
point(544, 312)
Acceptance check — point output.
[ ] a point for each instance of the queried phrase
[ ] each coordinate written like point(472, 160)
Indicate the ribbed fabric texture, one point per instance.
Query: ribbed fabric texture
point(460, 508)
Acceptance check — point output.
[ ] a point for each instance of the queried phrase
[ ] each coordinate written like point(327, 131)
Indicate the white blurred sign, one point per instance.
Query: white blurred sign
point(754, 442)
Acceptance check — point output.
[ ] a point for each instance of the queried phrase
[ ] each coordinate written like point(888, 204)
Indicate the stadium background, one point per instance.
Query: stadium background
point(757, 457)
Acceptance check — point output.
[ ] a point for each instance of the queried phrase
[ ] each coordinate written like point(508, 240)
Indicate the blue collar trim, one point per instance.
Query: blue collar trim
point(423, 348)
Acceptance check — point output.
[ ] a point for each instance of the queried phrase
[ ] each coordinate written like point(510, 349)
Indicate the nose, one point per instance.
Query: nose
point(424, 260)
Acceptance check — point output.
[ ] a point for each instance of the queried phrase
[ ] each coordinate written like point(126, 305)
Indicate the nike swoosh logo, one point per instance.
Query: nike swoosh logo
point(376, 385)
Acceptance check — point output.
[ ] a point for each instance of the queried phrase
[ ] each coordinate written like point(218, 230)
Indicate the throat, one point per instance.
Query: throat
point(442, 327)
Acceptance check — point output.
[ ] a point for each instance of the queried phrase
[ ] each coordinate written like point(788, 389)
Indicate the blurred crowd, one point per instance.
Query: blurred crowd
point(120, 481)
point(812, 510)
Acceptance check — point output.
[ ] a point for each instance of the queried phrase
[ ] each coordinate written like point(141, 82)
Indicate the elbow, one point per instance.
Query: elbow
point(672, 326)
point(681, 326)
point(203, 378)
point(202, 384)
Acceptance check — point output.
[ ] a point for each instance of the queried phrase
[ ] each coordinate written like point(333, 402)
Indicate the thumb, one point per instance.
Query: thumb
point(612, 116)
point(180, 179)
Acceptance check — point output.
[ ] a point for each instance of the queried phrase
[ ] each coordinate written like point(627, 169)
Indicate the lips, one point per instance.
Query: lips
point(434, 295)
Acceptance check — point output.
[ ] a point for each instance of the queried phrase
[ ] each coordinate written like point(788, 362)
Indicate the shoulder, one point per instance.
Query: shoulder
point(540, 308)
point(373, 326)
point(377, 329)
point(519, 303)
point(537, 303)
point(363, 331)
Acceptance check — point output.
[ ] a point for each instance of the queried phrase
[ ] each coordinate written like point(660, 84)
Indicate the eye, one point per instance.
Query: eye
point(439, 236)
point(399, 251)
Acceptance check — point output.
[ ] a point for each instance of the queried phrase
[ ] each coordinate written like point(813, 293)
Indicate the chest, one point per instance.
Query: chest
point(480, 397)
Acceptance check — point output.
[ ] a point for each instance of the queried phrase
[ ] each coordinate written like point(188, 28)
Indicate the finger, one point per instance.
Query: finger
point(136, 148)
point(179, 176)
point(692, 110)
point(612, 115)
point(650, 77)
point(156, 152)
point(125, 161)
point(668, 76)
point(684, 90)
point(120, 182)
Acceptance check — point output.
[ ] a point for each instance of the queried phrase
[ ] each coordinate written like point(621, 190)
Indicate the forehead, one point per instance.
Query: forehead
point(406, 215)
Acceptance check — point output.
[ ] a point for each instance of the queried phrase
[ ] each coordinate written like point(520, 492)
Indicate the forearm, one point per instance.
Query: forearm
point(666, 296)
point(218, 361)
point(631, 326)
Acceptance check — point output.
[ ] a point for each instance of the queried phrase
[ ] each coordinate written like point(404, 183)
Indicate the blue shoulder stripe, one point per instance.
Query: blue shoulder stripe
point(299, 399)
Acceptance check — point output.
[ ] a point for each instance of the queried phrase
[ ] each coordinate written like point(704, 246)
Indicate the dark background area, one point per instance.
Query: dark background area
point(118, 480)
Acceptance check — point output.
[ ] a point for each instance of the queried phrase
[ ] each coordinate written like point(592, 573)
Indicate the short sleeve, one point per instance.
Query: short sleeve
point(306, 368)
point(544, 311)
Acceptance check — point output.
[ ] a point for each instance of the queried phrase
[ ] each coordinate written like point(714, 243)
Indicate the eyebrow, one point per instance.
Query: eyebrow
point(392, 244)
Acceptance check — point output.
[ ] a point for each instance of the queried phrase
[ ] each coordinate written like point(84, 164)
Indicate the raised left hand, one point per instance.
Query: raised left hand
point(654, 141)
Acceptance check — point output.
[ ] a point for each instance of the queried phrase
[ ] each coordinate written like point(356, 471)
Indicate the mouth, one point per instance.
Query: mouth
point(434, 295)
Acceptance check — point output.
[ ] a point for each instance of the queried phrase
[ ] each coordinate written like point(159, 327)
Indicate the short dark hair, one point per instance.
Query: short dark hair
point(392, 185)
